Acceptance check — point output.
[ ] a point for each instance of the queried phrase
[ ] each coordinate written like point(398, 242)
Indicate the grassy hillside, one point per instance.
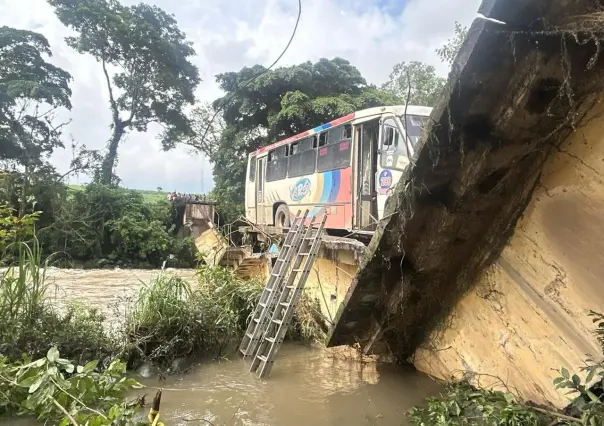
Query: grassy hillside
point(148, 195)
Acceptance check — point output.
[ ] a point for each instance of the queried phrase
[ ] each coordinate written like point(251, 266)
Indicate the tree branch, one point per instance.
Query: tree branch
point(114, 110)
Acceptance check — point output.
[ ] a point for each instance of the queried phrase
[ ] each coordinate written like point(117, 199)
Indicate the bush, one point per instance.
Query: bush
point(57, 392)
point(30, 325)
point(172, 319)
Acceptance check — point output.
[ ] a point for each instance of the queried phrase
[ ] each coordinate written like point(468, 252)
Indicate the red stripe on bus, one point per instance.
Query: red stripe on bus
point(333, 123)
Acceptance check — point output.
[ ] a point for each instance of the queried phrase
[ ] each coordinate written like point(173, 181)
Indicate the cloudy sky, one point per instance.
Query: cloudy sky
point(229, 34)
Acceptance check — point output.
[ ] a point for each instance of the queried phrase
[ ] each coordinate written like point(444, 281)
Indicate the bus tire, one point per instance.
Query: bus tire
point(282, 219)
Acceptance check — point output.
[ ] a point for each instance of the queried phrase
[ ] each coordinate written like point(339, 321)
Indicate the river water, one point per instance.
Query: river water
point(307, 386)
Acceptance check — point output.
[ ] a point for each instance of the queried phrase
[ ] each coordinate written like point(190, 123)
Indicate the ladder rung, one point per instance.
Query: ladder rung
point(263, 305)
point(304, 254)
point(256, 319)
point(262, 358)
point(291, 286)
point(297, 270)
point(284, 304)
point(278, 322)
point(270, 339)
point(250, 335)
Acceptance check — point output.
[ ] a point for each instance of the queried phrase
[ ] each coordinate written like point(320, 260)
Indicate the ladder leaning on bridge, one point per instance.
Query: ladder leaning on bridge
point(273, 314)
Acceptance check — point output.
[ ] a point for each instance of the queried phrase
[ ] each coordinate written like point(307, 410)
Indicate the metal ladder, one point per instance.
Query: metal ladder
point(263, 311)
point(288, 298)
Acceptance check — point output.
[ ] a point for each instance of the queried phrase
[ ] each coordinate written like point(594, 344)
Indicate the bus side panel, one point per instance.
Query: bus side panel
point(329, 192)
point(340, 215)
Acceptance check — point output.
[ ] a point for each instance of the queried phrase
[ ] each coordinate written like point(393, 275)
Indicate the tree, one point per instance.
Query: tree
point(31, 89)
point(274, 105)
point(154, 79)
point(417, 80)
point(448, 52)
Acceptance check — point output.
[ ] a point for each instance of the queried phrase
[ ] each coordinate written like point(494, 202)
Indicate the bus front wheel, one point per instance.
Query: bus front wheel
point(282, 217)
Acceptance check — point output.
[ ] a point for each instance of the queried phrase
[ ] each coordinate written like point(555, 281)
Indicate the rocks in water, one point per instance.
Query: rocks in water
point(146, 370)
point(102, 262)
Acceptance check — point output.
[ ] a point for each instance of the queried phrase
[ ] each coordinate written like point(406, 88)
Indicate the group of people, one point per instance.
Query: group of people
point(173, 196)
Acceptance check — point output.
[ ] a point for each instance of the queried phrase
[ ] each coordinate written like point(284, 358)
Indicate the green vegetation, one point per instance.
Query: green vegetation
point(28, 323)
point(172, 319)
point(57, 392)
point(462, 404)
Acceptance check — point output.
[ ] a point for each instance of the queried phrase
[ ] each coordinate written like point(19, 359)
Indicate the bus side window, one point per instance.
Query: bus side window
point(339, 134)
point(347, 131)
point(388, 138)
point(294, 148)
point(303, 162)
point(323, 139)
point(276, 167)
point(335, 135)
point(252, 175)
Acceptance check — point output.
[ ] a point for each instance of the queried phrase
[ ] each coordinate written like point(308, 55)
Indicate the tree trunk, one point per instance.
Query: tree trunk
point(111, 156)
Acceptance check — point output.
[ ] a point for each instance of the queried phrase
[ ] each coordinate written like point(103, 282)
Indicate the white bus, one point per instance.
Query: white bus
point(346, 168)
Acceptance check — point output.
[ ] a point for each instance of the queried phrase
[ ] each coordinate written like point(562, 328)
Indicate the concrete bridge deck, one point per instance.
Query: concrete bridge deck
point(519, 87)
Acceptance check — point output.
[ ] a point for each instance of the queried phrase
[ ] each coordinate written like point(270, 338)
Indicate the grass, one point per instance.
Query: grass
point(149, 196)
point(30, 325)
point(172, 319)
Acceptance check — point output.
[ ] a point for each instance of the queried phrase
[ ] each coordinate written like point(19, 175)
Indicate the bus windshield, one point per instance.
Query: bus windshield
point(415, 125)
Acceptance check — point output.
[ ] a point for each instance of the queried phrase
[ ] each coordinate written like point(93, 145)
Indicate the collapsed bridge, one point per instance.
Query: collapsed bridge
point(522, 84)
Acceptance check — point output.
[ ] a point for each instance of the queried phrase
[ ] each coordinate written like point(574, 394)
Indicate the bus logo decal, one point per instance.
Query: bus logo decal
point(300, 189)
point(385, 179)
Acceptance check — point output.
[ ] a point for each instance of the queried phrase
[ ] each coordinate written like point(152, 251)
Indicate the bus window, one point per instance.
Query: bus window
point(322, 139)
point(336, 135)
point(304, 161)
point(416, 124)
point(294, 148)
point(276, 166)
point(252, 175)
point(347, 131)
point(393, 151)
point(335, 156)
point(277, 153)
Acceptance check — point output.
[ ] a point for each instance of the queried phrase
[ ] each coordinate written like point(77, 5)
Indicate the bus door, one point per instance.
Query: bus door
point(260, 183)
point(392, 161)
point(366, 206)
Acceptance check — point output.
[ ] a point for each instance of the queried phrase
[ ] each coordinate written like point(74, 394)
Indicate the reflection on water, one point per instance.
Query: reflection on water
point(306, 387)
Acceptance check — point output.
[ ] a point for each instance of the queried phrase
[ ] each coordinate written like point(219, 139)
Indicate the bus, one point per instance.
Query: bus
point(346, 169)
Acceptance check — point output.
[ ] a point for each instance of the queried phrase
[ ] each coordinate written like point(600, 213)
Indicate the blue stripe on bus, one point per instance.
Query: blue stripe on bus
point(322, 127)
point(335, 186)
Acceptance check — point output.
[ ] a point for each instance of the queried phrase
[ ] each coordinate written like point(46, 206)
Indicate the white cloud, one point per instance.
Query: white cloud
point(229, 34)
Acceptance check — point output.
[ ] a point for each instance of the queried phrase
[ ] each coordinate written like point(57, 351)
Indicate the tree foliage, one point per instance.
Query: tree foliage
point(153, 79)
point(30, 91)
point(448, 51)
point(418, 81)
point(102, 222)
point(415, 82)
point(277, 104)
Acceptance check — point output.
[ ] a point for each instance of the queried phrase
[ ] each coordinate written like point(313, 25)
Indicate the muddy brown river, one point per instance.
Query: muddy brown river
point(307, 386)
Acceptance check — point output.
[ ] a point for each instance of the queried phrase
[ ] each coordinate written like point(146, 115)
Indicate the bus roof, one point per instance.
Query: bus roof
point(365, 113)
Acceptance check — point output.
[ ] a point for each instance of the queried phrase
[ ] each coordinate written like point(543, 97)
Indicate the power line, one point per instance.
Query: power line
point(251, 80)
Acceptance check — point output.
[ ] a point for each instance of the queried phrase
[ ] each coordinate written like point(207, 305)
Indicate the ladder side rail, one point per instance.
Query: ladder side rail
point(277, 341)
point(262, 322)
point(260, 311)
point(280, 295)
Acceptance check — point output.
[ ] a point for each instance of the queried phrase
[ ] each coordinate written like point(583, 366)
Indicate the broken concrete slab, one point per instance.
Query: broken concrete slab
point(519, 86)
